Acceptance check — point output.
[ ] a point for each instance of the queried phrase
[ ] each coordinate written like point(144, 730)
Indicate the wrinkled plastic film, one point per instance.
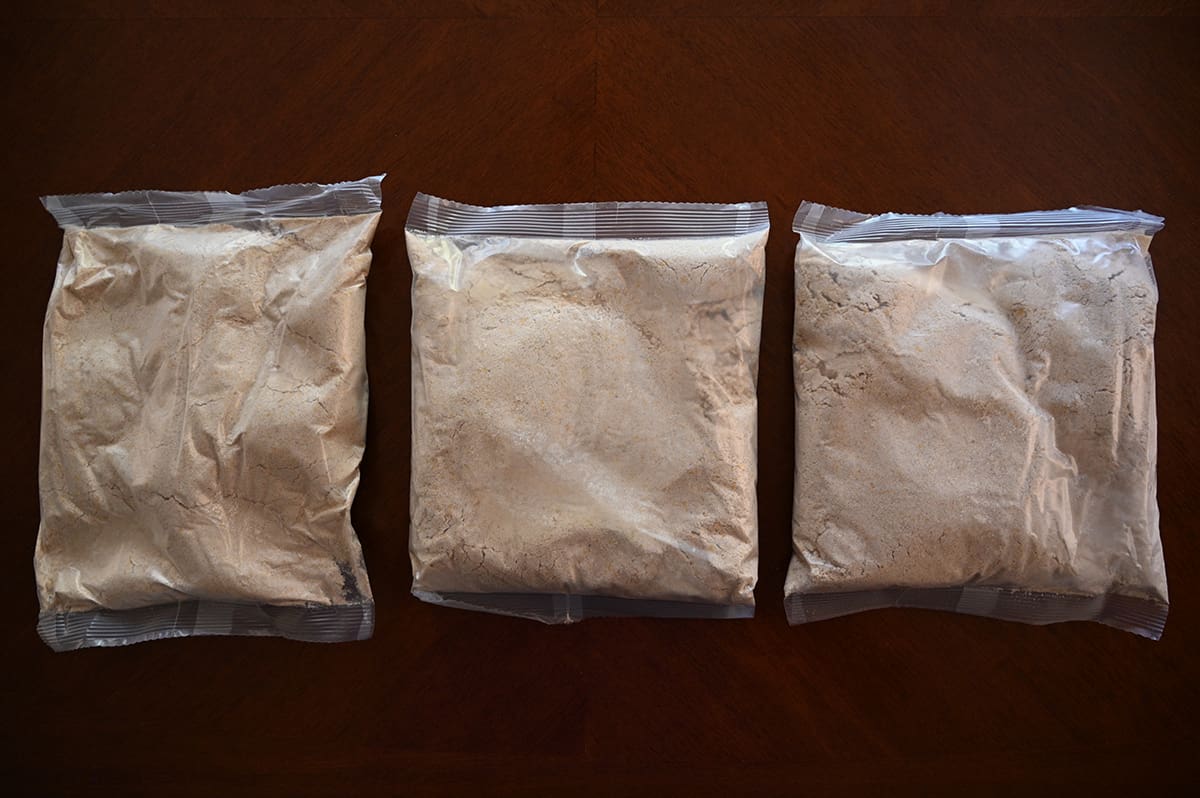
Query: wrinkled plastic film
point(975, 421)
point(204, 411)
point(584, 407)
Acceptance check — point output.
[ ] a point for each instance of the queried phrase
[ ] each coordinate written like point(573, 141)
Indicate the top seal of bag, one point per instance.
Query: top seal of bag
point(835, 225)
point(184, 208)
point(592, 220)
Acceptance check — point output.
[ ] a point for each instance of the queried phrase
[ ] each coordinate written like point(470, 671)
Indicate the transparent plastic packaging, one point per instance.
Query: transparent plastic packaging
point(584, 407)
point(975, 420)
point(204, 414)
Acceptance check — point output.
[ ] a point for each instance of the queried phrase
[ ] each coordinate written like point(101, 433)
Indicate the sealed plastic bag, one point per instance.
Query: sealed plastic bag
point(203, 416)
point(584, 407)
point(975, 424)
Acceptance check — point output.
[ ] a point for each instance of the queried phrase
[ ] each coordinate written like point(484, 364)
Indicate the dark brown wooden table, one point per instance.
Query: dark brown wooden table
point(538, 101)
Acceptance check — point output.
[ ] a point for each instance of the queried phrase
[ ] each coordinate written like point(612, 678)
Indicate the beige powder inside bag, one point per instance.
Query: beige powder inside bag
point(976, 413)
point(204, 415)
point(584, 417)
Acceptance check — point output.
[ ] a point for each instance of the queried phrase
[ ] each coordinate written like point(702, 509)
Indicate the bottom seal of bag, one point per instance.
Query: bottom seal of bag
point(1141, 616)
point(569, 608)
point(67, 631)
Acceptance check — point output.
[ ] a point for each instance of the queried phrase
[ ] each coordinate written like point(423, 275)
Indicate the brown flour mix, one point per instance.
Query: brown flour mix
point(204, 415)
point(976, 412)
point(584, 416)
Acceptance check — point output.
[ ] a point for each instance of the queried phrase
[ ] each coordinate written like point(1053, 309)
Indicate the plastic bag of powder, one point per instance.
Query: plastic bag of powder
point(584, 407)
point(975, 423)
point(203, 416)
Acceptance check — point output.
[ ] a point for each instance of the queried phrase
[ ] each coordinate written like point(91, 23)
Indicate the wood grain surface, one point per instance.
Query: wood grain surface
point(951, 106)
